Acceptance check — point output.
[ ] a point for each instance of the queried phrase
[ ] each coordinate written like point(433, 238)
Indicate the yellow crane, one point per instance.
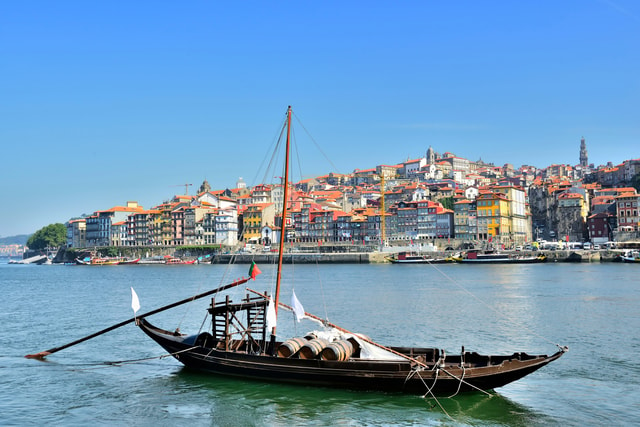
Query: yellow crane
point(186, 188)
point(383, 223)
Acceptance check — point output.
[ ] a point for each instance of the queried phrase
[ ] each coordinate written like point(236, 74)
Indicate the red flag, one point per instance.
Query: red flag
point(254, 270)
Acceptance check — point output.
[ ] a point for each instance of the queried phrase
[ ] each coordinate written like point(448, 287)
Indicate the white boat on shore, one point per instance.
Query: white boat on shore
point(476, 256)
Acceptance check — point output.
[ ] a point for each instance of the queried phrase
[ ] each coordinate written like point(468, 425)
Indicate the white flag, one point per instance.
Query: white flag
point(298, 309)
point(271, 316)
point(135, 302)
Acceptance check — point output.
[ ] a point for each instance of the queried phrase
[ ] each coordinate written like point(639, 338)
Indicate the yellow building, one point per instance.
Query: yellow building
point(519, 225)
point(254, 218)
point(493, 217)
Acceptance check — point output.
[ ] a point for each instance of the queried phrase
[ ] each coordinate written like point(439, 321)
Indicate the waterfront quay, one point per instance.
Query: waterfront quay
point(381, 257)
point(326, 254)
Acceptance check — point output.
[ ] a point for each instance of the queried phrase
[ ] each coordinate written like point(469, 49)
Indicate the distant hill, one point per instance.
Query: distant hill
point(14, 240)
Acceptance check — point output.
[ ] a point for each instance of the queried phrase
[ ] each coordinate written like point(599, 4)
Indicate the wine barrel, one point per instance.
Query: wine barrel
point(338, 350)
point(290, 347)
point(312, 348)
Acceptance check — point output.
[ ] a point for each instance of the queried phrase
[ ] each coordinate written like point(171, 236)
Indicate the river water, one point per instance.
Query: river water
point(592, 308)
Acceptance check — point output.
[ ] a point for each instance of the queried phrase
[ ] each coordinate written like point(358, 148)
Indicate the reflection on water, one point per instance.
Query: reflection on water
point(240, 401)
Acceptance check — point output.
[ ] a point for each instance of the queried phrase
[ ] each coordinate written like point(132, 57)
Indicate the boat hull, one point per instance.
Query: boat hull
point(361, 374)
point(526, 260)
point(419, 261)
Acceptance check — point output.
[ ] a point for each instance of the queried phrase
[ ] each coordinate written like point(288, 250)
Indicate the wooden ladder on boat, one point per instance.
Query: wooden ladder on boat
point(240, 327)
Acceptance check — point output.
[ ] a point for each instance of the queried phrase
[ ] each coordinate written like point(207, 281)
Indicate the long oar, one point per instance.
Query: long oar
point(42, 354)
point(327, 323)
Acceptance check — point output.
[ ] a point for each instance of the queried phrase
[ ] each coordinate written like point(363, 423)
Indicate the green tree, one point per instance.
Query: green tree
point(51, 236)
point(447, 202)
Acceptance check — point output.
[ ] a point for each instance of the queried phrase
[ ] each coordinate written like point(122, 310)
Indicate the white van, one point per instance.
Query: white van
point(587, 245)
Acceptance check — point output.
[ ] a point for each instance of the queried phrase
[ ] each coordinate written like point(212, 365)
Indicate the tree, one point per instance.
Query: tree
point(51, 236)
point(447, 202)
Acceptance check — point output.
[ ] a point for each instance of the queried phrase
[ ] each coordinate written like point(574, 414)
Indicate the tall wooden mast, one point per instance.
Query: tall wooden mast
point(284, 217)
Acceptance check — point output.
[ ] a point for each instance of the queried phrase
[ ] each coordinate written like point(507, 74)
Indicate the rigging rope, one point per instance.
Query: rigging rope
point(221, 282)
point(499, 313)
point(109, 364)
point(315, 143)
point(430, 389)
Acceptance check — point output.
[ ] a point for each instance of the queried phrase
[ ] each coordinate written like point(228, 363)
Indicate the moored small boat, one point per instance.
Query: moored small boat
point(152, 260)
point(416, 258)
point(170, 260)
point(476, 256)
point(242, 343)
point(105, 261)
point(630, 257)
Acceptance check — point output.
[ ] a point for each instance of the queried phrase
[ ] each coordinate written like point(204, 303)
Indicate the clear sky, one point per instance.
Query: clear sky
point(102, 102)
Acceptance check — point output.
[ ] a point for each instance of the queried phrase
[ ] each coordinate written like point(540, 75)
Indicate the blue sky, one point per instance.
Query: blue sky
point(103, 102)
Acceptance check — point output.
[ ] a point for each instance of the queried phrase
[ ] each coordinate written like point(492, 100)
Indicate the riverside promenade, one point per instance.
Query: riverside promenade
point(324, 257)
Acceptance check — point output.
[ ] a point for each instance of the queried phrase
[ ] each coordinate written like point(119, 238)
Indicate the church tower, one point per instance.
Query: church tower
point(205, 187)
point(431, 156)
point(584, 159)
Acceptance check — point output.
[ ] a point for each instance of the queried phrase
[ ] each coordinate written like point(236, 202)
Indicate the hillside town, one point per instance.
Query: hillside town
point(439, 198)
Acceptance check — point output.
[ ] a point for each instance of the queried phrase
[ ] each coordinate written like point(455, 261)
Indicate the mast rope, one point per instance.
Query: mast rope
point(315, 143)
point(465, 382)
point(498, 312)
point(222, 280)
point(460, 383)
point(109, 364)
point(416, 371)
point(324, 300)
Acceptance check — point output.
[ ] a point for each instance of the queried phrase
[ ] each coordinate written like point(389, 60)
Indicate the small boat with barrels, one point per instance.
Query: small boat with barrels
point(243, 343)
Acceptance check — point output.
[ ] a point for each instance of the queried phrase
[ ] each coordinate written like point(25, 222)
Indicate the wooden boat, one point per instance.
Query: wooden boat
point(475, 256)
point(242, 343)
point(153, 260)
point(631, 256)
point(416, 258)
point(169, 260)
point(105, 261)
point(129, 261)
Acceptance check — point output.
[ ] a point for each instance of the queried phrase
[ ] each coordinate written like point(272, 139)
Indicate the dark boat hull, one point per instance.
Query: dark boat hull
point(376, 375)
point(527, 260)
point(419, 261)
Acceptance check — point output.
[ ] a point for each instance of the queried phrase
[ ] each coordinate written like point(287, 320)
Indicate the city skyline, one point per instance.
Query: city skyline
point(104, 103)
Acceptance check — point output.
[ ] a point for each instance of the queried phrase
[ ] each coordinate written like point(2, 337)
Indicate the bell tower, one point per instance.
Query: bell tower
point(584, 159)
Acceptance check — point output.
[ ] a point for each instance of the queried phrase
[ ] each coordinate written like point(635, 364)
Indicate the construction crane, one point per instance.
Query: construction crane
point(186, 188)
point(383, 224)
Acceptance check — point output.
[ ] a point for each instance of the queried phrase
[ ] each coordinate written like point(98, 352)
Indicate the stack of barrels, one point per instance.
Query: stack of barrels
point(311, 347)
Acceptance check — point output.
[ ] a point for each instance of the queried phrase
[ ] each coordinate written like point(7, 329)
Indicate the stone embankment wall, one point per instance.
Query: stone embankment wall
point(331, 257)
